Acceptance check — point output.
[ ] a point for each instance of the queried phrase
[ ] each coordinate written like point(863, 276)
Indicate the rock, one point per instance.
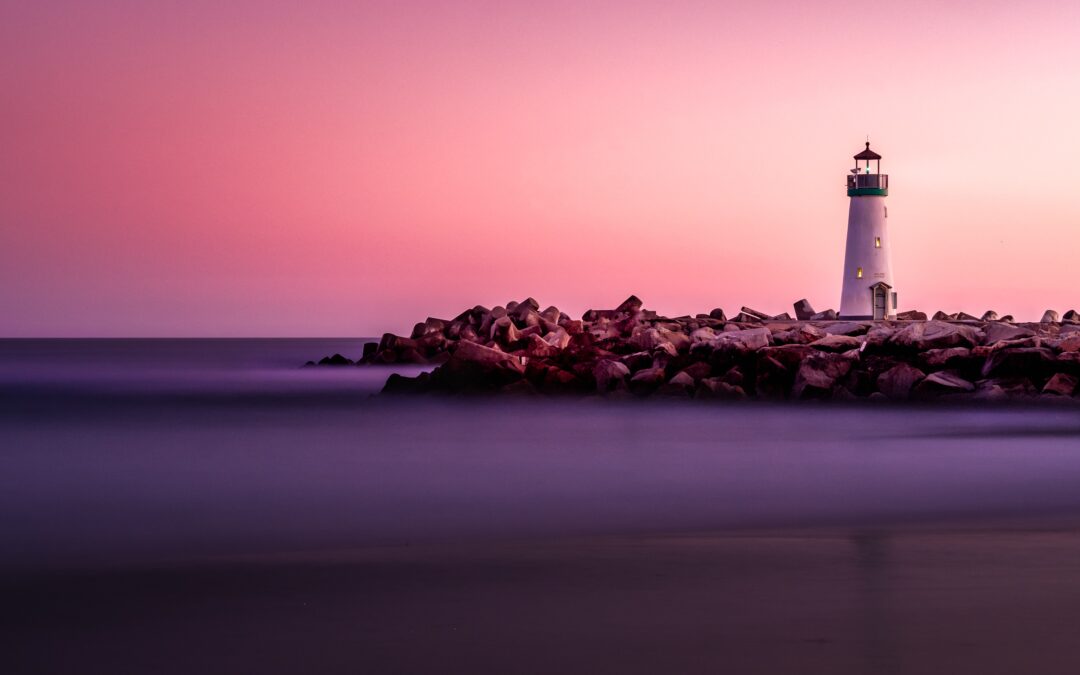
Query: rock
point(943, 382)
point(335, 360)
point(753, 312)
point(559, 339)
point(734, 376)
point(1008, 387)
point(1008, 318)
point(806, 333)
point(836, 343)
point(941, 316)
point(846, 328)
point(964, 316)
point(698, 371)
point(940, 359)
point(630, 305)
point(1018, 362)
point(989, 315)
point(610, 375)
point(399, 384)
point(911, 315)
point(997, 331)
point(878, 336)
point(934, 335)
point(803, 310)
point(818, 373)
point(1061, 384)
point(743, 317)
point(644, 381)
point(1070, 343)
point(750, 339)
point(472, 352)
point(370, 348)
point(410, 355)
point(898, 381)
point(1049, 316)
point(1072, 316)
point(718, 314)
point(682, 380)
point(782, 317)
point(827, 315)
point(647, 339)
point(537, 348)
point(713, 388)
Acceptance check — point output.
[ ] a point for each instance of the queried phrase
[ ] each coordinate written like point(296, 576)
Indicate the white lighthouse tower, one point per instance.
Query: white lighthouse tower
point(868, 282)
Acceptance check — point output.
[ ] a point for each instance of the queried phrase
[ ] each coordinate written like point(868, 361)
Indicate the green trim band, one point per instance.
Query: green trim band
point(875, 192)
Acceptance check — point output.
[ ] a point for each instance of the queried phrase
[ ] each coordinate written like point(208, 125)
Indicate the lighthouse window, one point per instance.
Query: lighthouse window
point(858, 273)
point(877, 242)
point(886, 211)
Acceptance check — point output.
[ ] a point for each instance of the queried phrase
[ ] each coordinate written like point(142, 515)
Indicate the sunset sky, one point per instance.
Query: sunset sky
point(197, 168)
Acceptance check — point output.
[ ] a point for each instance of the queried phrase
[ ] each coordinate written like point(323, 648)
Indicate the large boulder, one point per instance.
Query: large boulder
point(911, 315)
point(836, 343)
point(630, 305)
point(537, 348)
point(715, 388)
point(818, 374)
point(1071, 343)
point(750, 339)
point(1061, 384)
point(941, 316)
point(846, 328)
point(610, 375)
point(471, 352)
point(944, 382)
point(989, 315)
point(743, 317)
point(717, 314)
point(940, 359)
point(934, 335)
point(997, 331)
point(754, 313)
point(1049, 316)
point(898, 381)
point(1028, 362)
point(646, 340)
point(827, 315)
point(1072, 316)
point(803, 310)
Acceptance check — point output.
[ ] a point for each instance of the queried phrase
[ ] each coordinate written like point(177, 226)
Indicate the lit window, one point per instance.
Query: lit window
point(858, 273)
point(877, 242)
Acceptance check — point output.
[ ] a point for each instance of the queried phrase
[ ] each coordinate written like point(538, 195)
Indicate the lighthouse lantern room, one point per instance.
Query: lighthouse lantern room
point(868, 282)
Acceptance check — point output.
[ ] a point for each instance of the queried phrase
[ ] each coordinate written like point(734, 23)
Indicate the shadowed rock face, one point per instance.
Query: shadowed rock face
point(631, 351)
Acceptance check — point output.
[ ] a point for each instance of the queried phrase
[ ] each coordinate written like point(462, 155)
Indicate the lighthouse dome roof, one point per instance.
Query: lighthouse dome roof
point(867, 153)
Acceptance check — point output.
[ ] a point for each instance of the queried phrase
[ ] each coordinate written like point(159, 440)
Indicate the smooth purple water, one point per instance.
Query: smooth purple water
point(137, 455)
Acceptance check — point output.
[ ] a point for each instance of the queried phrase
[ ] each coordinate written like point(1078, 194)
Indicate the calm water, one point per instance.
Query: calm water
point(218, 492)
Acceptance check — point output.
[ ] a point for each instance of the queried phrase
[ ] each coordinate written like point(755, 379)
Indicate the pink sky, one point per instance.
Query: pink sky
point(341, 168)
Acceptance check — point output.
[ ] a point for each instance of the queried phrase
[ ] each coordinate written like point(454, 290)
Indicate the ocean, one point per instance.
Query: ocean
point(179, 506)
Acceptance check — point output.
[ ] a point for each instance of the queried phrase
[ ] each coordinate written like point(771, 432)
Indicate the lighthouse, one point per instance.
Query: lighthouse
point(868, 291)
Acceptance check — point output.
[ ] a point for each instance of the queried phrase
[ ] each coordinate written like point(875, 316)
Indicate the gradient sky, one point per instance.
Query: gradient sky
point(186, 168)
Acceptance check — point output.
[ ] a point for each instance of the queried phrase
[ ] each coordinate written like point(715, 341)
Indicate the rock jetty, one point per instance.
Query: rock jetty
point(630, 351)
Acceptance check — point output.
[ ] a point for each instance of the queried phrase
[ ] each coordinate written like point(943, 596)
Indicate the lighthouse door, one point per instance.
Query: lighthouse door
point(880, 302)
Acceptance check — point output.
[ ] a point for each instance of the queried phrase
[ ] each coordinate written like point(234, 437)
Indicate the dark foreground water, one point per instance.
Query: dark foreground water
point(207, 507)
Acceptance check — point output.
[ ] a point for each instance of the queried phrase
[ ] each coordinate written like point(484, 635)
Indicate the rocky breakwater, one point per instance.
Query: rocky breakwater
point(632, 352)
